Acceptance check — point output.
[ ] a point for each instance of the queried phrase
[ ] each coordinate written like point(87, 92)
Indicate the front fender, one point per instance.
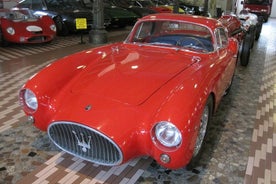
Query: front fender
point(54, 81)
point(182, 107)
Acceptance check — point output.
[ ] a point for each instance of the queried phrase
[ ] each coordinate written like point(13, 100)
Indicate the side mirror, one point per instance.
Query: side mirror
point(242, 2)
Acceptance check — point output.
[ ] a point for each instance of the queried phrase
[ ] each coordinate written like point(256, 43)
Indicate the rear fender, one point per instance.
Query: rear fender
point(233, 46)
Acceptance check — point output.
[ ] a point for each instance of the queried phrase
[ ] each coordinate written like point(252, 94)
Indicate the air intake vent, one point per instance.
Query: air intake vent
point(84, 142)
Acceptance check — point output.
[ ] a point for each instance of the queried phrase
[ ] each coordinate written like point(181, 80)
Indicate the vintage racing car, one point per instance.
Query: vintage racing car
point(246, 28)
point(152, 95)
point(21, 26)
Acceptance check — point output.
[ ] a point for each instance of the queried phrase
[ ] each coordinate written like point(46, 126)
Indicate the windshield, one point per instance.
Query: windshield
point(173, 34)
point(19, 15)
point(260, 2)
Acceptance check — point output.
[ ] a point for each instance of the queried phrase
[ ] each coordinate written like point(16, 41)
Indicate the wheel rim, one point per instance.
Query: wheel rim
point(202, 130)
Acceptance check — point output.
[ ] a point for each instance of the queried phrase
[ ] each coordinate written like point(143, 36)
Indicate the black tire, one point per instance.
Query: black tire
point(58, 23)
point(252, 33)
point(258, 30)
point(265, 18)
point(3, 42)
point(202, 133)
point(245, 51)
point(65, 30)
point(62, 29)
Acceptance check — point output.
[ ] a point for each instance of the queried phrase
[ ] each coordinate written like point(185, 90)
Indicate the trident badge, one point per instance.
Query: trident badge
point(81, 142)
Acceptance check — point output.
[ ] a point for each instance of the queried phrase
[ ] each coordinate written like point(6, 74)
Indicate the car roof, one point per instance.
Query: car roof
point(209, 22)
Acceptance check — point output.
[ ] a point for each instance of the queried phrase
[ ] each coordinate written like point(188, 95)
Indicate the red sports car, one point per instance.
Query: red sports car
point(21, 26)
point(151, 95)
point(149, 4)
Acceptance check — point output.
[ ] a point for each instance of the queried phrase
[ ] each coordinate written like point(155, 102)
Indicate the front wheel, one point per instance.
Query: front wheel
point(202, 132)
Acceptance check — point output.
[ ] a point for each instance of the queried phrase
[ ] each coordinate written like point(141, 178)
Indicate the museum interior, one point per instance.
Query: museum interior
point(138, 91)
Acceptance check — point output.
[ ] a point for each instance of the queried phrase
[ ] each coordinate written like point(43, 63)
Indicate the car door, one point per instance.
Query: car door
point(225, 59)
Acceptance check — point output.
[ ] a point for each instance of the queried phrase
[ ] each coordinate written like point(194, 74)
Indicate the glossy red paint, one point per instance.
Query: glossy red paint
point(133, 85)
point(233, 25)
point(161, 9)
point(39, 29)
point(260, 8)
point(231, 22)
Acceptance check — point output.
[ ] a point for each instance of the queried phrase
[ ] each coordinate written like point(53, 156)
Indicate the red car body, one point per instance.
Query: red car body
point(161, 9)
point(261, 8)
point(149, 4)
point(142, 97)
point(20, 26)
point(233, 25)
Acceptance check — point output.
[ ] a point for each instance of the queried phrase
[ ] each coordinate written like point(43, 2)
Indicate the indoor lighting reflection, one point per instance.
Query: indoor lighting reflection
point(103, 55)
point(134, 67)
point(81, 67)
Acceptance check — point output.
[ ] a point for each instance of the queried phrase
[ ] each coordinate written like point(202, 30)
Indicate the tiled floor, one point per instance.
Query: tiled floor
point(63, 168)
point(27, 156)
point(261, 166)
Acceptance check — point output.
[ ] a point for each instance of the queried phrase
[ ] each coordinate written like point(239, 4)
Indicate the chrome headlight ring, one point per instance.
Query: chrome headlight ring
point(10, 30)
point(53, 27)
point(167, 134)
point(29, 100)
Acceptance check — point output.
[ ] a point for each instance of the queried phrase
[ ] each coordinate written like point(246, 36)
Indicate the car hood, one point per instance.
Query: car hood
point(130, 75)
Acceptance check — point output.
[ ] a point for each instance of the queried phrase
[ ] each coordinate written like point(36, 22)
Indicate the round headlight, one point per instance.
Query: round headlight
point(30, 100)
point(168, 134)
point(10, 30)
point(53, 27)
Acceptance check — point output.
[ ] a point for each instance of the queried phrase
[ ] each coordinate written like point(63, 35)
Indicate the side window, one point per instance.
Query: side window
point(144, 31)
point(221, 37)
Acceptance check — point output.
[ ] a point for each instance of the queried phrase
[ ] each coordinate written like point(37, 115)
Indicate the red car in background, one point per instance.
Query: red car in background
point(152, 95)
point(21, 26)
point(262, 8)
point(246, 28)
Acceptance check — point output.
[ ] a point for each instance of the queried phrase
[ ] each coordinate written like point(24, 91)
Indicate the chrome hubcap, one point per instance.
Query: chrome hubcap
point(202, 130)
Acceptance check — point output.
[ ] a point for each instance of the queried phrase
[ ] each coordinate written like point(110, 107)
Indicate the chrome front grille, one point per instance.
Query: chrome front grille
point(85, 142)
